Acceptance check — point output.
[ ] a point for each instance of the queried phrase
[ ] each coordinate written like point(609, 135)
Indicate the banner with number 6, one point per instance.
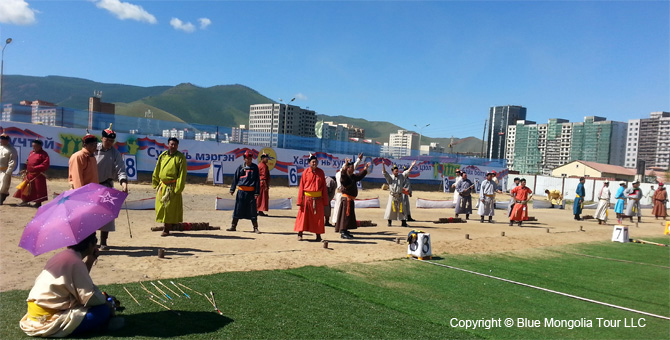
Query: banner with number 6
point(292, 176)
point(131, 167)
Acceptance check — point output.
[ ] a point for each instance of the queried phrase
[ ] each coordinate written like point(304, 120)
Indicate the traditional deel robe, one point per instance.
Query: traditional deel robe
point(603, 203)
point(555, 197)
point(111, 167)
point(60, 298)
point(312, 198)
point(347, 218)
point(8, 162)
point(578, 205)
point(660, 200)
point(633, 207)
point(338, 194)
point(510, 206)
point(331, 187)
point(34, 186)
point(169, 180)
point(487, 198)
point(406, 192)
point(263, 201)
point(464, 189)
point(621, 200)
point(457, 198)
point(247, 182)
point(83, 169)
point(395, 208)
point(520, 210)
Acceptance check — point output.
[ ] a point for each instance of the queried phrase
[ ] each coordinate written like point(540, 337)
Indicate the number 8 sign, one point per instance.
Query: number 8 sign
point(131, 167)
point(292, 176)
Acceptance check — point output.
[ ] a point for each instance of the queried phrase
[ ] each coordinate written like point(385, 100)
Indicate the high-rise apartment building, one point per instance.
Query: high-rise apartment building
point(540, 148)
point(649, 140)
point(500, 117)
point(269, 123)
point(402, 143)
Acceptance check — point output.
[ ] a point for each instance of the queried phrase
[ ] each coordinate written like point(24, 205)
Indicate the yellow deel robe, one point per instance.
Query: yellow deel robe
point(169, 180)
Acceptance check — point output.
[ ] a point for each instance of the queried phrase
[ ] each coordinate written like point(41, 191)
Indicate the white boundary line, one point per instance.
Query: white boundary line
point(547, 290)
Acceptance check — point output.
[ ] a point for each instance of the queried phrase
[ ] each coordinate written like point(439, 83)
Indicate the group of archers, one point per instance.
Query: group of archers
point(64, 301)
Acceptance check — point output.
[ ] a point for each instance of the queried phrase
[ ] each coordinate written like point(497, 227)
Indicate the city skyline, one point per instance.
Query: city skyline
point(409, 63)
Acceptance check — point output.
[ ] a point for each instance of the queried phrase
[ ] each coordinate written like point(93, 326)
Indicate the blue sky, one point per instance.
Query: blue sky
point(442, 63)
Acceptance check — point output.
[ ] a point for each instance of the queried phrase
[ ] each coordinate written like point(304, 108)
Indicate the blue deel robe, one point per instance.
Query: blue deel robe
point(579, 199)
point(621, 200)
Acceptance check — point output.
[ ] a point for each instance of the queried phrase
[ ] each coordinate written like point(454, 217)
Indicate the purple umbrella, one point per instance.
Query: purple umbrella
point(71, 217)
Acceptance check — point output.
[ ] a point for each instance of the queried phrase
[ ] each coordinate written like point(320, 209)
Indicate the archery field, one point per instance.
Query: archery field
point(552, 278)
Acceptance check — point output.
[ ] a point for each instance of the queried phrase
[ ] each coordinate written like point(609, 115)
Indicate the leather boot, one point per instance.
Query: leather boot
point(255, 224)
point(166, 229)
point(2, 198)
point(103, 239)
point(233, 225)
point(404, 223)
point(639, 219)
point(490, 219)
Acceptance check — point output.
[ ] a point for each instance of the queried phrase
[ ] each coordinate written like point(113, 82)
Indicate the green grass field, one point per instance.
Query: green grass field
point(412, 299)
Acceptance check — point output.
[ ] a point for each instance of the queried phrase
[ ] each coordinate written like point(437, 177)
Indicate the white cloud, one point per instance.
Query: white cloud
point(126, 10)
point(16, 12)
point(182, 26)
point(300, 96)
point(204, 22)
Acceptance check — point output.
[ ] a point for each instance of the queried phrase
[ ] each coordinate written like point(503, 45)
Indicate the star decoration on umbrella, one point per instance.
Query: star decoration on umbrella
point(107, 198)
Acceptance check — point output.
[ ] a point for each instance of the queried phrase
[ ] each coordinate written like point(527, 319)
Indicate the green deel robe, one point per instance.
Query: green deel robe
point(170, 171)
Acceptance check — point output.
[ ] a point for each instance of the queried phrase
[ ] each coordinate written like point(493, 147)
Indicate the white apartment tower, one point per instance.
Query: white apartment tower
point(648, 139)
point(273, 124)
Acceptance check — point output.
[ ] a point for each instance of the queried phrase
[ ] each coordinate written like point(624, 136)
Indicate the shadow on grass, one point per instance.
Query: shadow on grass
point(167, 324)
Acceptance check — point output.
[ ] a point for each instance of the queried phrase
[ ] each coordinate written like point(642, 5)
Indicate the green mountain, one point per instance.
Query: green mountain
point(71, 92)
point(223, 105)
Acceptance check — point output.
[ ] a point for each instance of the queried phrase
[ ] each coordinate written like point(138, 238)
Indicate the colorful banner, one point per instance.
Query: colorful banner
point(60, 143)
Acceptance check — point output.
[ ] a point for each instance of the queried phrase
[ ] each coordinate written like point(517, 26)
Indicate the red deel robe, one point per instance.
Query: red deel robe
point(310, 216)
point(520, 211)
point(264, 197)
point(36, 183)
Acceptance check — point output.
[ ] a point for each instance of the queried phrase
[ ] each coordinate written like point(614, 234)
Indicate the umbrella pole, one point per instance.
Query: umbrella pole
point(128, 217)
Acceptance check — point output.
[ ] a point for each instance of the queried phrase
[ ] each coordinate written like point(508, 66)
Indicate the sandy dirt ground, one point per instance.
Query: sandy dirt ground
point(205, 252)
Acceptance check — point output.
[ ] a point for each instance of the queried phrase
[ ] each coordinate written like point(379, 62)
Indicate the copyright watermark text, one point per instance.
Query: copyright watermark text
point(547, 323)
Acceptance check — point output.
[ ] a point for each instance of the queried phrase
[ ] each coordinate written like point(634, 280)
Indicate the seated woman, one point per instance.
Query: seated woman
point(64, 300)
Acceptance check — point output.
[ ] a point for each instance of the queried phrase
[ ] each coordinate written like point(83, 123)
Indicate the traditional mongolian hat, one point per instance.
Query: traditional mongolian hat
point(89, 138)
point(636, 182)
point(395, 166)
point(622, 183)
point(264, 155)
point(458, 171)
point(4, 136)
point(312, 156)
point(517, 179)
point(248, 154)
point(109, 133)
point(492, 172)
point(607, 181)
point(660, 184)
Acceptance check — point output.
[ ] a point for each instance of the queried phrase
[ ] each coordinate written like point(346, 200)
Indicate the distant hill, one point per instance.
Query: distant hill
point(380, 131)
point(71, 92)
point(223, 105)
